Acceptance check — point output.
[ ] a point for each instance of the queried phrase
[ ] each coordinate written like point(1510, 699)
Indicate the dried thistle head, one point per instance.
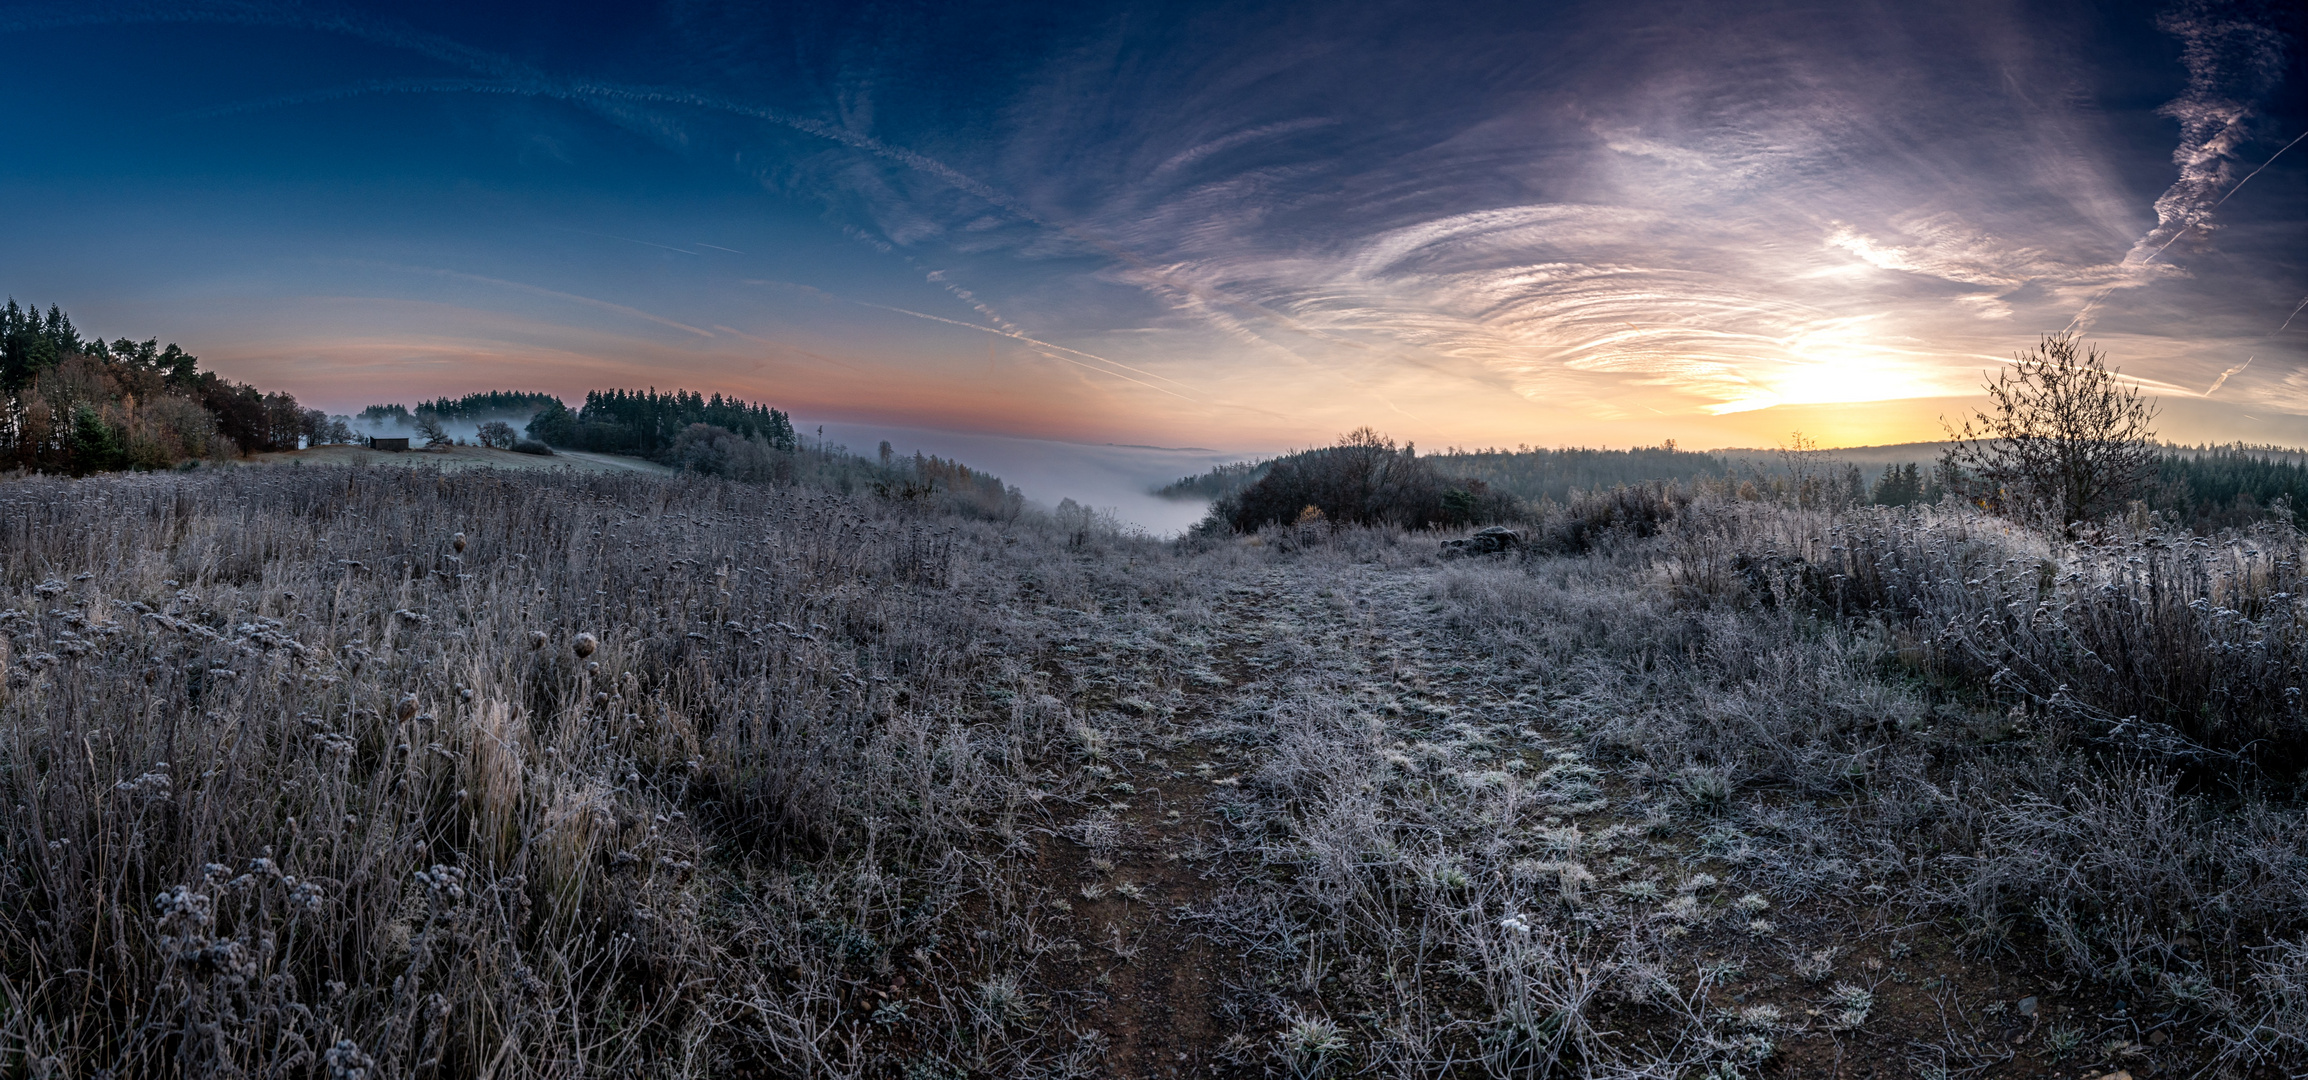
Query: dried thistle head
point(406, 707)
point(537, 639)
point(584, 645)
point(458, 542)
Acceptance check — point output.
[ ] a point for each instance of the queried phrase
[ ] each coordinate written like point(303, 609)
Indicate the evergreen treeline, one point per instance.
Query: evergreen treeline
point(1217, 483)
point(2230, 486)
point(31, 343)
point(646, 423)
point(1532, 474)
point(1906, 485)
point(490, 404)
point(69, 404)
point(2204, 487)
point(920, 479)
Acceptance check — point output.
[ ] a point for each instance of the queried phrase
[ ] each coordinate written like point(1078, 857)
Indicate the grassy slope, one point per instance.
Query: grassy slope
point(465, 457)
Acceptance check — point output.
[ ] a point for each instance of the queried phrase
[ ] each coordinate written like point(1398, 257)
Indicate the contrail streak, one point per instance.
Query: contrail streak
point(630, 240)
point(2263, 165)
point(553, 294)
point(2094, 302)
point(1044, 348)
point(2295, 314)
point(2217, 50)
point(590, 92)
point(514, 77)
point(2222, 380)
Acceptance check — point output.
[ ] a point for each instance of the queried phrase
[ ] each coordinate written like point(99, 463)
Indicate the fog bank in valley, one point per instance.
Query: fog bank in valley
point(1117, 479)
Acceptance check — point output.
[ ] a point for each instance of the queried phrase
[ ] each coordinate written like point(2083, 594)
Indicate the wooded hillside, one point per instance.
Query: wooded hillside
point(81, 405)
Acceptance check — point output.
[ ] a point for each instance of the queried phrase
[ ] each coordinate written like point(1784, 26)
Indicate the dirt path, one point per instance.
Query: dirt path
point(1147, 850)
point(1132, 860)
point(1159, 846)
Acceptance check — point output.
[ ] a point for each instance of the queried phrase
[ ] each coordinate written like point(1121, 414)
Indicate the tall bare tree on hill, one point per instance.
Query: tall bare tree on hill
point(2062, 436)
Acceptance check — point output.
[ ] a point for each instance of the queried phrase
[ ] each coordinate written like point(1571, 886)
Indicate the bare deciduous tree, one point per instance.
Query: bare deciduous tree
point(2062, 436)
point(1809, 470)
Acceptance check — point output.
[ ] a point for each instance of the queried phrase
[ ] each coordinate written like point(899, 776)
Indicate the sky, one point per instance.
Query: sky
point(1220, 228)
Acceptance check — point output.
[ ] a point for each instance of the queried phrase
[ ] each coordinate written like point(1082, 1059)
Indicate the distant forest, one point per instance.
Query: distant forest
point(637, 423)
point(2217, 487)
point(1533, 474)
point(724, 436)
point(488, 405)
point(647, 423)
point(78, 405)
point(2205, 487)
point(1527, 473)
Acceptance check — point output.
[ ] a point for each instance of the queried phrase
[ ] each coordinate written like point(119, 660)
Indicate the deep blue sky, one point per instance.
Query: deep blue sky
point(1226, 225)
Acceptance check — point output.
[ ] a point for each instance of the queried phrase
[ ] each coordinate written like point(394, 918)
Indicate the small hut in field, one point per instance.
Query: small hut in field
point(399, 445)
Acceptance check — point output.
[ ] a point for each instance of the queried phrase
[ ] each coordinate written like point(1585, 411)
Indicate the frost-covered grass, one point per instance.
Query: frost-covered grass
point(304, 772)
point(310, 771)
point(1510, 845)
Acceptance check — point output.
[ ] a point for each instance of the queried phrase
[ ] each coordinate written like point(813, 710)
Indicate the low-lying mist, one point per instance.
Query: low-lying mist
point(467, 429)
point(1116, 479)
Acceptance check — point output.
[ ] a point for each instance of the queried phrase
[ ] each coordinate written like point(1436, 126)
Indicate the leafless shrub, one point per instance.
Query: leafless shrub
point(2063, 438)
point(1593, 518)
point(814, 733)
point(2277, 1029)
point(1361, 480)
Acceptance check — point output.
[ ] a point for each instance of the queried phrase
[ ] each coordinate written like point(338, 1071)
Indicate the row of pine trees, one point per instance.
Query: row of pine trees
point(647, 423)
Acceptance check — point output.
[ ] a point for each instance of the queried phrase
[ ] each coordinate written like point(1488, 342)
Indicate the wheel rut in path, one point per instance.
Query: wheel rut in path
point(1143, 848)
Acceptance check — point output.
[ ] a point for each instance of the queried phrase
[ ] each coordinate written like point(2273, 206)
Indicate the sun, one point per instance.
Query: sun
point(1834, 361)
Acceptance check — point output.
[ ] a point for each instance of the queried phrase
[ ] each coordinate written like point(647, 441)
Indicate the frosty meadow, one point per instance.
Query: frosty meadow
point(1154, 540)
point(406, 772)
